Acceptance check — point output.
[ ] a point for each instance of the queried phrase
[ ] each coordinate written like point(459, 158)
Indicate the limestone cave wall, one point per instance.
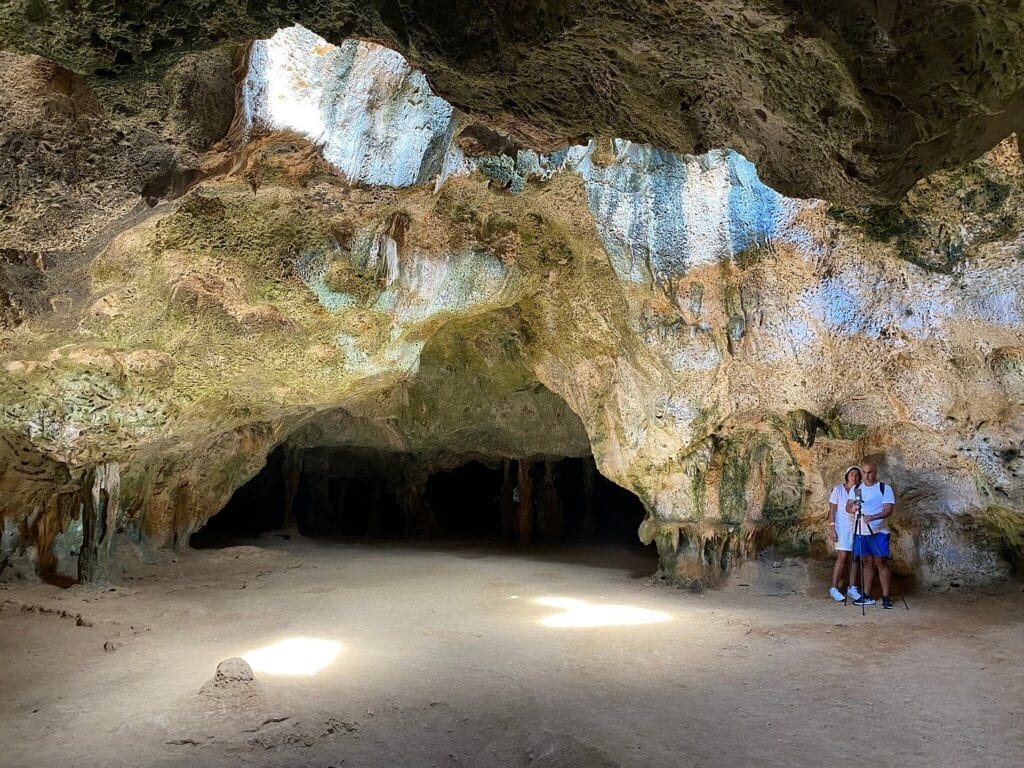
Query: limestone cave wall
point(350, 260)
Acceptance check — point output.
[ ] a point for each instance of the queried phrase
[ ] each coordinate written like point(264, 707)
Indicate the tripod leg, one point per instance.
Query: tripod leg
point(864, 594)
point(850, 576)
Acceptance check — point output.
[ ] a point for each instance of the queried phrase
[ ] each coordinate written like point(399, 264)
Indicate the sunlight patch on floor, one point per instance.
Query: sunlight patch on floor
point(579, 613)
point(293, 656)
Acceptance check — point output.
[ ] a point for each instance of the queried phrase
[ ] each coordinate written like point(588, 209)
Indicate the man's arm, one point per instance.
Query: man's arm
point(886, 511)
point(888, 502)
point(832, 519)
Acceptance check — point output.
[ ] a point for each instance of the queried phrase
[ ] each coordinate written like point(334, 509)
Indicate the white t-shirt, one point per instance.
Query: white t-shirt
point(844, 521)
point(873, 501)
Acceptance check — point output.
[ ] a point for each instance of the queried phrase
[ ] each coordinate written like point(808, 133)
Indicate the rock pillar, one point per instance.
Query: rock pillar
point(374, 523)
point(418, 518)
point(508, 508)
point(525, 502)
point(589, 521)
point(101, 490)
point(291, 470)
point(316, 471)
point(549, 515)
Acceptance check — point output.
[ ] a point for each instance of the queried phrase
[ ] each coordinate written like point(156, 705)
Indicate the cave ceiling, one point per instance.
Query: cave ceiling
point(851, 102)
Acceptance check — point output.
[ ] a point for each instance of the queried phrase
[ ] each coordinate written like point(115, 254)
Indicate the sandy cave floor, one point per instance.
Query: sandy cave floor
point(445, 660)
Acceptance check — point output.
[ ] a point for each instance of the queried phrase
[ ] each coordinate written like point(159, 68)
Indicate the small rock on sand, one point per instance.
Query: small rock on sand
point(232, 674)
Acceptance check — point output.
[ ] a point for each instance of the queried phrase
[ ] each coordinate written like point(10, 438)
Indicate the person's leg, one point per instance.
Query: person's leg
point(838, 569)
point(869, 574)
point(839, 572)
point(884, 574)
point(842, 569)
point(844, 547)
point(882, 558)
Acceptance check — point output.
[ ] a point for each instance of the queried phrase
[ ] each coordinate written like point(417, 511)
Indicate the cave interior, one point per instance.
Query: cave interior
point(336, 492)
point(463, 384)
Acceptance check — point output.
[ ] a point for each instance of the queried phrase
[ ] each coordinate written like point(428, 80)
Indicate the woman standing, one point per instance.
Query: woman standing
point(841, 531)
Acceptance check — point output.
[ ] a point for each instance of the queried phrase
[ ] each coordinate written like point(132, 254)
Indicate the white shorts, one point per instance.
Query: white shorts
point(844, 537)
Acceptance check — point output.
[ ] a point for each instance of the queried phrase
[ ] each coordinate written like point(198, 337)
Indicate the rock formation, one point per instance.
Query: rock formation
point(847, 101)
point(358, 263)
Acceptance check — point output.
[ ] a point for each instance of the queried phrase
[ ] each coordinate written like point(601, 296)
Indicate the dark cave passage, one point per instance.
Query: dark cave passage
point(545, 500)
point(383, 495)
point(255, 507)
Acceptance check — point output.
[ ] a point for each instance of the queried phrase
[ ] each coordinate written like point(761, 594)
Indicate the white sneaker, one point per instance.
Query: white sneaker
point(836, 595)
point(854, 593)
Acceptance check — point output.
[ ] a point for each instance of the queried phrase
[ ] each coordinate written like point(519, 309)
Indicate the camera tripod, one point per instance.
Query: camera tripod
point(858, 559)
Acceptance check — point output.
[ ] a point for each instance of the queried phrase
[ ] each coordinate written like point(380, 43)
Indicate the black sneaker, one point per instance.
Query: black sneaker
point(886, 601)
point(864, 600)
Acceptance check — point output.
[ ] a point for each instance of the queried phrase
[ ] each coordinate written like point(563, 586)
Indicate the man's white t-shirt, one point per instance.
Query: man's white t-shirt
point(844, 521)
point(873, 500)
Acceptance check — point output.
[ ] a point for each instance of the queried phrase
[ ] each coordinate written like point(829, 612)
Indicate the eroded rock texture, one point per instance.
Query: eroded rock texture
point(365, 266)
point(845, 101)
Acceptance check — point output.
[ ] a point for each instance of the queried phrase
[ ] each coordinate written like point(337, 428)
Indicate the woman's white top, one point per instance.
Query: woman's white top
point(844, 520)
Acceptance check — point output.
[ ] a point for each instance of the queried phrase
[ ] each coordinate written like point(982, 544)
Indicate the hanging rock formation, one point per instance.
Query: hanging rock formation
point(360, 264)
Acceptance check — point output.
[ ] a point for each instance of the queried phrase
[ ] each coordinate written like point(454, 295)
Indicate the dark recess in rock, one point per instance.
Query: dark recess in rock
point(391, 495)
point(201, 90)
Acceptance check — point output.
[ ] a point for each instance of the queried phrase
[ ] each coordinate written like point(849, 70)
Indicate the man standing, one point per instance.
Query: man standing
point(871, 540)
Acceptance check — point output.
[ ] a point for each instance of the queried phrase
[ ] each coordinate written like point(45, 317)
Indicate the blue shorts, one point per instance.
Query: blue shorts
point(875, 544)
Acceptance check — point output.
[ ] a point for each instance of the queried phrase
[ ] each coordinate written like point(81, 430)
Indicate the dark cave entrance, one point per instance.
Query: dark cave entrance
point(334, 492)
point(255, 507)
point(566, 500)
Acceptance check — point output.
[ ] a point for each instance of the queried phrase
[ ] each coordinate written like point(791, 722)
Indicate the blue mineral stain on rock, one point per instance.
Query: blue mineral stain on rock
point(637, 205)
point(660, 214)
point(755, 209)
point(311, 267)
point(375, 118)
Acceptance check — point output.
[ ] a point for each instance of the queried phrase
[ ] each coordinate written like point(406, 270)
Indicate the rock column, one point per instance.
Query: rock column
point(525, 502)
point(589, 522)
point(323, 509)
point(418, 519)
point(292, 472)
point(101, 491)
point(549, 515)
point(508, 509)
